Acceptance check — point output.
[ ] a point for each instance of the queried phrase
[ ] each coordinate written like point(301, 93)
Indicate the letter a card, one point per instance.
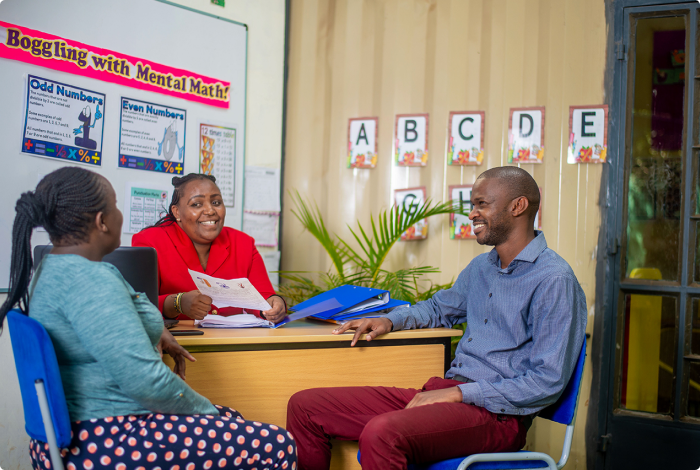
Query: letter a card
point(409, 201)
point(460, 225)
point(526, 135)
point(465, 145)
point(411, 139)
point(362, 142)
point(588, 134)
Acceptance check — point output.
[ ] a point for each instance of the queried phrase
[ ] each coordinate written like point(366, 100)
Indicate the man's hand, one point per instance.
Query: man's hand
point(195, 304)
point(170, 346)
point(445, 395)
point(372, 326)
point(278, 310)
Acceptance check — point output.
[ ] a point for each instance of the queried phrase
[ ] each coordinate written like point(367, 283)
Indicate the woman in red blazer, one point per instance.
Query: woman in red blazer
point(192, 236)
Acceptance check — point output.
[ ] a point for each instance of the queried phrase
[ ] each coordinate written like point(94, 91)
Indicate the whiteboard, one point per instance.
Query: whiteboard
point(158, 31)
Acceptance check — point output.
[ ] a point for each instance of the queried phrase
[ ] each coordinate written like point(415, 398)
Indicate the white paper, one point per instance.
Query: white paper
point(243, 320)
point(262, 227)
point(262, 189)
point(144, 206)
point(230, 292)
point(272, 263)
point(217, 157)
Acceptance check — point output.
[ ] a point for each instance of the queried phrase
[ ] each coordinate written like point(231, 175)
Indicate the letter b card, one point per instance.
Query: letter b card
point(411, 140)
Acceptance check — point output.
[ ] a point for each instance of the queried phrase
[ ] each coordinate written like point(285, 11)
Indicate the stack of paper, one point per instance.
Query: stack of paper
point(243, 320)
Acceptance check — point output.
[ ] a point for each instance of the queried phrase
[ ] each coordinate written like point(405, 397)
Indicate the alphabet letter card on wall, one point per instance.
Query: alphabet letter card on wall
point(408, 201)
point(460, 225)
point(526, 135)
point(466, 138)
point(588, 134)
point(362, 142)
point(411, 139)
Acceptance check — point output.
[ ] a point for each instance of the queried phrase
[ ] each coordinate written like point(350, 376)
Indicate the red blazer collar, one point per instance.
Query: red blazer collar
point(217, 254)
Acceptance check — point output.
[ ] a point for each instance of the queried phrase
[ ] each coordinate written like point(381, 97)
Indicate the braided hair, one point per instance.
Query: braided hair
point(64, 203)
point(179, 183)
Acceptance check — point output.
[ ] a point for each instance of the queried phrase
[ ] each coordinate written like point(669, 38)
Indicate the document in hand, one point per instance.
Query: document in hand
point(243, 320)
point(346, 303)
point(230, 292)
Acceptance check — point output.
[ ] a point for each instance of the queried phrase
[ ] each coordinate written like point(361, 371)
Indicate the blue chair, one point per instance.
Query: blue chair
point(563, 411)
point(45, 410)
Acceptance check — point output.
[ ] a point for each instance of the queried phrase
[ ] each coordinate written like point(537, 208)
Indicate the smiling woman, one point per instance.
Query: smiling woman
point(192, 236)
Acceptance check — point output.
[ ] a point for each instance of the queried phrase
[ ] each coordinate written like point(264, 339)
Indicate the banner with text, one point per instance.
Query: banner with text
point(45, 50)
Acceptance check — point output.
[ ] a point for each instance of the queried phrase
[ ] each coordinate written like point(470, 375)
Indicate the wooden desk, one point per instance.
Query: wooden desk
point(256, 370)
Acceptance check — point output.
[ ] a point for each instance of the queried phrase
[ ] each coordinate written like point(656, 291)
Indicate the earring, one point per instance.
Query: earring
point(178, 220)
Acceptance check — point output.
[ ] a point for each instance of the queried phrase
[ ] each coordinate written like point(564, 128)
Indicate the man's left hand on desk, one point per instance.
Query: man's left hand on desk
point(445, 395)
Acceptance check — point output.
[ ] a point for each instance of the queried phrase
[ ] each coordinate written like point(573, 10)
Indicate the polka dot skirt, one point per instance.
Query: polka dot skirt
point(173, 442)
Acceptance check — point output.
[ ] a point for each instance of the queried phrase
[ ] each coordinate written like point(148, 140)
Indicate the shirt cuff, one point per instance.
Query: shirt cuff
point(396, 319)
point(471, 394)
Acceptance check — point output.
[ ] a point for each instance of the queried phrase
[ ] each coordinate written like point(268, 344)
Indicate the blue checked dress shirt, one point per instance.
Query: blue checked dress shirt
point(525, 328)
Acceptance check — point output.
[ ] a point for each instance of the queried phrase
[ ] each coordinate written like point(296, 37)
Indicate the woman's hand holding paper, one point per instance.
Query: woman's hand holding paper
point(278, 310)
point(195, 305)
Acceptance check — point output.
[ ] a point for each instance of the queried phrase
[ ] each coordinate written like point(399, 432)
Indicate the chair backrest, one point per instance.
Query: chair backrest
point(35, 359)
point(564, 409)
point(138, 265)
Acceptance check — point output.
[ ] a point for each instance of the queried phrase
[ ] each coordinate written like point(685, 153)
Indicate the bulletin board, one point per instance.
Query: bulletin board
point(136, 133)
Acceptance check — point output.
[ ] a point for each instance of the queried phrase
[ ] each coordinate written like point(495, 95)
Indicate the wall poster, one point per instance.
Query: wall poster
point(411, 139)
point(63, 121)
point(460, 225)
point(217, 157)
point(588, 134)
point(408, 201)
point(144, 206)
point(526, 135)
point(465, 144)
point(151, 137)
point(362, 142)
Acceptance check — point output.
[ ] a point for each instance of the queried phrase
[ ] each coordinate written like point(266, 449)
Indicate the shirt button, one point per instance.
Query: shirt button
point(469, 339)
point(459, 365)
point(490, 294)
point(472, 404)
point(214, 312)
point(137, 296)
point(486, 320)
point(502, 410)
point(181, 394)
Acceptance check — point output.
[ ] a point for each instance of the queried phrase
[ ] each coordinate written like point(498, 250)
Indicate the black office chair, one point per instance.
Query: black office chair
point(138, 265)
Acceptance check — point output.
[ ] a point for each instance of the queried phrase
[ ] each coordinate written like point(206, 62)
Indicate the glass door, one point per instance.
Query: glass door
point(653, 418)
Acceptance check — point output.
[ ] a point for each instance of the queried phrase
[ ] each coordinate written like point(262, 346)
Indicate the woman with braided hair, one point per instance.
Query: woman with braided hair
point(128, 409)
point(192, 236)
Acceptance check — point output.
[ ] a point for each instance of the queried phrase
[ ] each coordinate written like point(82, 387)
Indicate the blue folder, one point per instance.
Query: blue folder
point(335, 303)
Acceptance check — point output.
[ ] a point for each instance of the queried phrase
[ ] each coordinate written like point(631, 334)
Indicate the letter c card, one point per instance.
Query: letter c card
point(588, 134)
point(526, 135)
point(465, 145)
point(362, 142)
point(411, 140)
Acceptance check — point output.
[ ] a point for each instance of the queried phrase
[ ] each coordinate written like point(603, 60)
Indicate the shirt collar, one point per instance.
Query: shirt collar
point(528, 254)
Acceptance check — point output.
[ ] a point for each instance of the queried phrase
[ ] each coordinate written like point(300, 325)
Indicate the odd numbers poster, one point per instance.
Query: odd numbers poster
point(63, 121)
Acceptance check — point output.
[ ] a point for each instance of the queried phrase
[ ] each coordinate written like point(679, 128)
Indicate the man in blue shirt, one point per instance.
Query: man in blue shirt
point(526, 317)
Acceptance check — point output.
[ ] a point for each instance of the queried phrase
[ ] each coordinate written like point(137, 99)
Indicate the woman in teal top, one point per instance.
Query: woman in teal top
point(128, 409)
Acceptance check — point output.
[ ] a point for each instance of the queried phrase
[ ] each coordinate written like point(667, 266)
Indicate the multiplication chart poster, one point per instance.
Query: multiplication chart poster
point(151, 137)
point(63, 121)
point(217, 157)
point(144, 207)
